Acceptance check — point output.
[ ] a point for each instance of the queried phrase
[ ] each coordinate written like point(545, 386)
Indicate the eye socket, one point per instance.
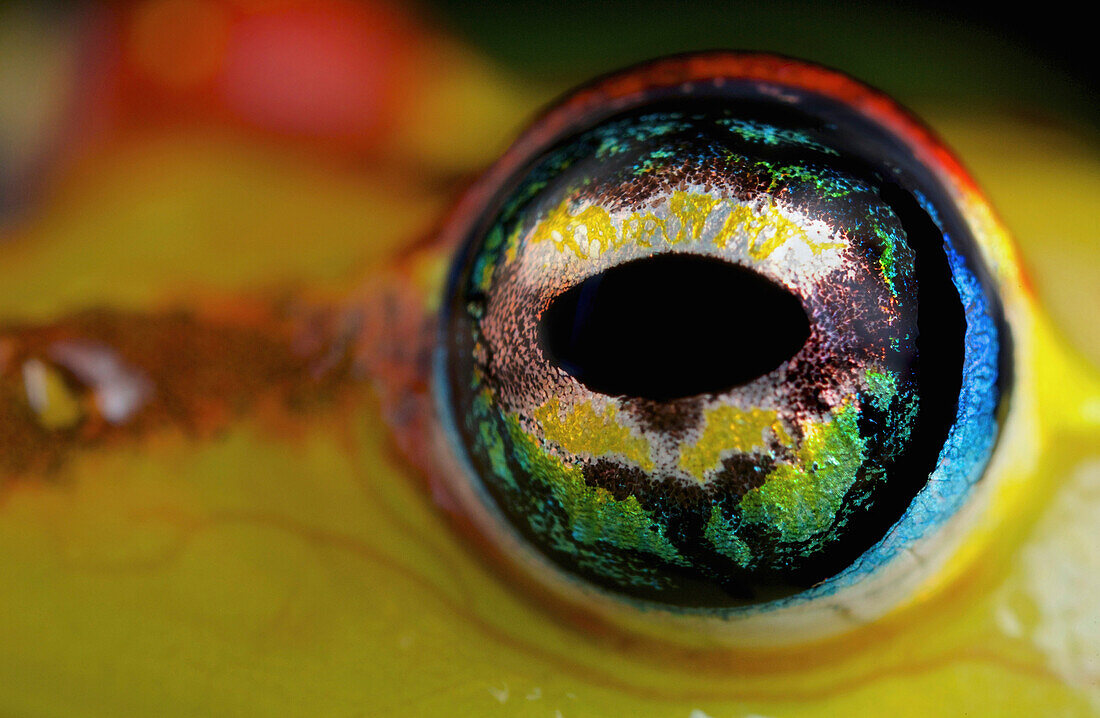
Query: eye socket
point(720, 337)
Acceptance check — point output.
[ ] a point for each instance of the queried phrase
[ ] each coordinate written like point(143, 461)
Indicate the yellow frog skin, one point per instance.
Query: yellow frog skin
point(207, 337)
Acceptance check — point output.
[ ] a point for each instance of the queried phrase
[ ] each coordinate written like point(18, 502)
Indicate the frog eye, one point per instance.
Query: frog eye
point(720, 338)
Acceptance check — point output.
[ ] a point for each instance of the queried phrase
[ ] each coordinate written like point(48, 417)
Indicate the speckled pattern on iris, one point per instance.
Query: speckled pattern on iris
point(772, 484)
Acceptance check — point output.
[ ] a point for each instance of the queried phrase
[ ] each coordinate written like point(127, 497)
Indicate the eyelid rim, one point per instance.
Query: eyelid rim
point(793, 620)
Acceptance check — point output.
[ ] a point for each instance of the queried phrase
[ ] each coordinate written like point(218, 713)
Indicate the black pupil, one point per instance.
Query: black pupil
point(672, 326)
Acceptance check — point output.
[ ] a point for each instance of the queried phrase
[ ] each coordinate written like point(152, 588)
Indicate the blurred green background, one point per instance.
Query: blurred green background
point(1031, 59)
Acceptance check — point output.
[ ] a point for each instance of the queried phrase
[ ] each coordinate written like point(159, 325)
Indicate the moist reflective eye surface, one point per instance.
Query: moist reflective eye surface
point(710, 352)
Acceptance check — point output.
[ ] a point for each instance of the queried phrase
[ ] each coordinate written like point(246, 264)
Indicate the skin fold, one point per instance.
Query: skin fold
point(217, 496)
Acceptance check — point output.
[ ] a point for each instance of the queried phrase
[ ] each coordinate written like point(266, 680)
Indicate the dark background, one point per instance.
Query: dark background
point(1038, 59)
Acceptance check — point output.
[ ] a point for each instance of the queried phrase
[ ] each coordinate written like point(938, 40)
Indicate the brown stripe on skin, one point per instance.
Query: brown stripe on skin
point(196, 371)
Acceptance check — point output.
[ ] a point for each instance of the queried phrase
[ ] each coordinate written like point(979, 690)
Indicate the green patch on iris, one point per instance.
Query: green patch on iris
point(595, 515)
point(652, 160)
point(826, 183)
point(620, 137)
point(491, 442)
point(538, 179)
point(900, 405)
point(486, 262)
point(771, 135)
point(883, 387)
point(895, 256)
point(722, 534)
point(886, 261)
point(801, 501)
point(548, 525)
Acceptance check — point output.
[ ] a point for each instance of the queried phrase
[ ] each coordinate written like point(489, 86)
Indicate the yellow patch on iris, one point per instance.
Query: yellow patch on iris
point(587, 432)
point(560, 227)
point(730, 429)
point(765, 231)
point(641, 228)
point(592, 231)
point(692, 209)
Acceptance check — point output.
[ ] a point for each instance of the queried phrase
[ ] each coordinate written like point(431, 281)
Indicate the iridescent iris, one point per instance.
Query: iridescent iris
point(713, 349)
